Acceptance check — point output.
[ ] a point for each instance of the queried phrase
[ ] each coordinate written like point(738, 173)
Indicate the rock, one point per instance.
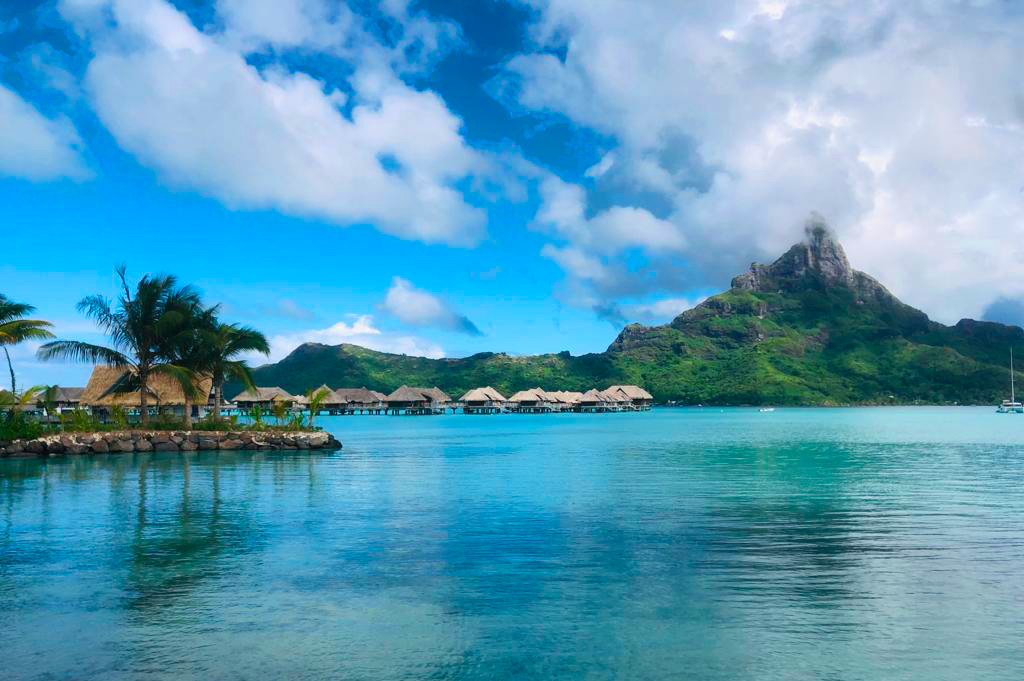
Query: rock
point(333, 442)
point(100, 446)
point(160, 438)
point(122, 446)
point(77, 449)
point(206, 443)
point(143, 445)
point(34, 447)
point(302, 443)
point(55, 447)
point(188, 446)
point(231, 444)
point(165, 446)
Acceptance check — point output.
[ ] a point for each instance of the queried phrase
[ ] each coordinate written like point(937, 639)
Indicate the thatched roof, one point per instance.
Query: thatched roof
point(633, 392)
point(355, 395)
point(614, 396)
point(531, 395)
point(407, 394)
point(264, 395)
point(68, 394)
point(437, 394)
point(486, 394)
point(566, 396)
point(163, 390)
point(593, 395)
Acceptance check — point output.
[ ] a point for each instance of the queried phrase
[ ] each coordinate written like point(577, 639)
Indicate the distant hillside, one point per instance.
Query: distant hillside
point(806, 330)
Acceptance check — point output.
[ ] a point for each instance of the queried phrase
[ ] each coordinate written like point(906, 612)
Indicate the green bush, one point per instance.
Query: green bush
point(14, 425)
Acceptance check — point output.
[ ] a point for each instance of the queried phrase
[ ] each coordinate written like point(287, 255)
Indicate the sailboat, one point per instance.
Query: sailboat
point(1011, 406)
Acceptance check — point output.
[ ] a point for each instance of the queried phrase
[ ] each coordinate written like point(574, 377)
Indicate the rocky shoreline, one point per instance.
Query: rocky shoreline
point(60, 444)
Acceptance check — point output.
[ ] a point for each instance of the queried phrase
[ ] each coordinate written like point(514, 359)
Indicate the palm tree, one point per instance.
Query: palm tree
point(140, 327)
point(188, 347)
point(280, 410)
point(225, 343)
point(14, 329)
point(316, 397)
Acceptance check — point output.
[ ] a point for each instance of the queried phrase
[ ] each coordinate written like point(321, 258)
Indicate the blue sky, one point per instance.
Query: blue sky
point(452, 176)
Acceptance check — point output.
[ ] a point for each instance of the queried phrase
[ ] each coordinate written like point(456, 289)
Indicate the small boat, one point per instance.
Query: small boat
point(1011, 406)
point(765, 410)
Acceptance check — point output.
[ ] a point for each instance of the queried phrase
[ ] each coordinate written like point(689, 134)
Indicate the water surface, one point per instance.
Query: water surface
point(703, 544)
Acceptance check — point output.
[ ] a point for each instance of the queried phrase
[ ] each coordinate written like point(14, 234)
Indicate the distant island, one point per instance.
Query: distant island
point(806, 330)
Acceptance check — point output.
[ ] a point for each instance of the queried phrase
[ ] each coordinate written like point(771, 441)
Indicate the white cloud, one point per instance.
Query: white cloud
point(660, 310)
point(421, 308)
point(362, 331)
point(35, 147)
point(189, 105)
point(901, 122)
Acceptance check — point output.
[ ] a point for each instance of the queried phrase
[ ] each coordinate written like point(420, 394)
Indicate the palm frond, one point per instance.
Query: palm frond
point(87, 353)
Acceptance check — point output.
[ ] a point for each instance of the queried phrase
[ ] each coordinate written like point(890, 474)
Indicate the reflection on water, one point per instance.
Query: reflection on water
point(835, 544)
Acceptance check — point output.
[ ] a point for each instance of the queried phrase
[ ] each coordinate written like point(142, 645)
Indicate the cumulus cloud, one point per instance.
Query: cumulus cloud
point(361, 331)
point(189, 104)
point(901, 122)
point(35, 147)
point(421, 308)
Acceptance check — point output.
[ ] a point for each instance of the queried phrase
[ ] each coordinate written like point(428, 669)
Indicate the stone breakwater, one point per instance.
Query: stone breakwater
point(165, 441)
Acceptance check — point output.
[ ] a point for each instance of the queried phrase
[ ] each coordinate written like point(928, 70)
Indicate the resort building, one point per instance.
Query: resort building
point(264, 398)
point(532, 401)
point(407, 400)
point(356, 400)
point(593, 401)
point(483, 401)
point(111, 387)
point(65, 399)
point(639, 399)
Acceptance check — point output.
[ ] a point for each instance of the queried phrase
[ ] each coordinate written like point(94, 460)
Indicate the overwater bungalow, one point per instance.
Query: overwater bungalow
point(639, 399)
point(485, 400)
point(593, 401)
point(264, 398)
point(532, 401)
point(567, 399)
point(164, 394)
point(407, 400)
point(357, 400)
point(616, 401)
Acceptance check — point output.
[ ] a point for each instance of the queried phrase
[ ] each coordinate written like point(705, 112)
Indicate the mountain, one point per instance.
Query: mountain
point(807, 329)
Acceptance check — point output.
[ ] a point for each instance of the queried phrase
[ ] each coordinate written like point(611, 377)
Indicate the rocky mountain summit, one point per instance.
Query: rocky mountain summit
point(819, 257)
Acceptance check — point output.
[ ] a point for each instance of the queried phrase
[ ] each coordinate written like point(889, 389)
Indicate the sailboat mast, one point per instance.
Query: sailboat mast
point(1012, 397)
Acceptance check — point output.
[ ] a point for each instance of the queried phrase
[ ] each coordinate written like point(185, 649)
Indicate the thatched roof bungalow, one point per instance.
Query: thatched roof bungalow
point(484, 400)
point(162, 390)
point(533, 400)
point(637, 396)
point(417, 399)
point(264, 398)
point(483, 397)
point(357, 398)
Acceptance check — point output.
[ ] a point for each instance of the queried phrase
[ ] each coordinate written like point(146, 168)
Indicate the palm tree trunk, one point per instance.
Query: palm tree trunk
point(218, 396)
point(10, 367)
point(188, 411)
point(144, 398)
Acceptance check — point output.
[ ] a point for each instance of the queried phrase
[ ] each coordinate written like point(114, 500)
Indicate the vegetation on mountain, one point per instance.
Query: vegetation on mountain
point(805, 330)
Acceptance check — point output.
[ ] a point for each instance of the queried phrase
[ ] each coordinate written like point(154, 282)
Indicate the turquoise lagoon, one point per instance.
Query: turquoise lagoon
point(677, 544)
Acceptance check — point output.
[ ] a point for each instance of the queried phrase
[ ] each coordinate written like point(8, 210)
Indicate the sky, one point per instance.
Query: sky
point(445, 177)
